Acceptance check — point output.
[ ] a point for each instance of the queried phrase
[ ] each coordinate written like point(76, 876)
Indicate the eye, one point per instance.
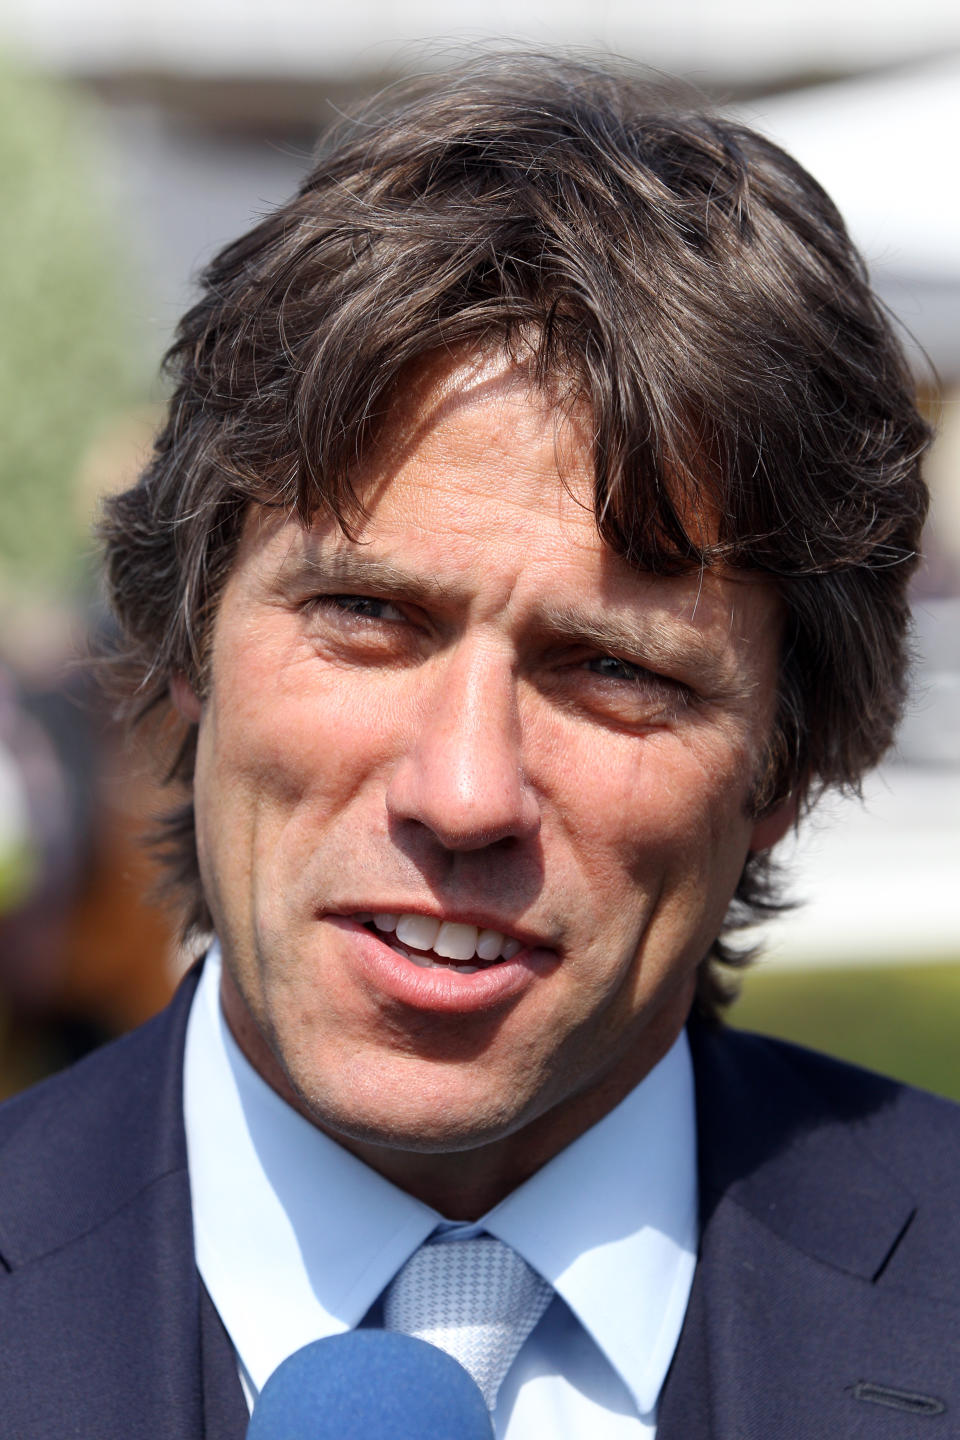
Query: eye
point(363, 629)
point(628, 692)
point(611, 668)
point(364, 607)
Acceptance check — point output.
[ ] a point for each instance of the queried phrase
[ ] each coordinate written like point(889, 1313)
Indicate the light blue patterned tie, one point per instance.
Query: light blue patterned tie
point(477, 1299)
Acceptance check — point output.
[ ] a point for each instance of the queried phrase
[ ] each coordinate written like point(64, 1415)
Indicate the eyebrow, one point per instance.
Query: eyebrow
point(350, 568)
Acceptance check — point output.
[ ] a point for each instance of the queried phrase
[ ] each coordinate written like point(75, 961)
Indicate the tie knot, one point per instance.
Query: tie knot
point(476, 1299)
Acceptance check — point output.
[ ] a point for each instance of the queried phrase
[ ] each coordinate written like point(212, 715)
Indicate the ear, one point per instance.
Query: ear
point(185, 699)
point(772, 826)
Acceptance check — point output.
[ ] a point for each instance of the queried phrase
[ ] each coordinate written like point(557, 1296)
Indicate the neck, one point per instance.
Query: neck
point(467, 1184)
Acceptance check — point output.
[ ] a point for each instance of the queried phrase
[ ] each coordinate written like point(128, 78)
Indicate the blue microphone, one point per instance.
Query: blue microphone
point(370, 1385)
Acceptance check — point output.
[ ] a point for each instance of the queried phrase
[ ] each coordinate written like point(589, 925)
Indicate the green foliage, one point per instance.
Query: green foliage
point(18, 867)
point(900, 1019)
point(62, 363)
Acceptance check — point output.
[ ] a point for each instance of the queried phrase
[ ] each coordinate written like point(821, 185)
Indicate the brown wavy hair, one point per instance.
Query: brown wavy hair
point(679, 272)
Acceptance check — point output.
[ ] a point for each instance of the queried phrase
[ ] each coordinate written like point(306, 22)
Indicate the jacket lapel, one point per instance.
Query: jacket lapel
point(225, 1414)
point(792, 1329)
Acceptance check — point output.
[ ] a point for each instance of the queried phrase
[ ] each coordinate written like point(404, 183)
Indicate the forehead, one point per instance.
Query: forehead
point(479, 427)
point(543, 427)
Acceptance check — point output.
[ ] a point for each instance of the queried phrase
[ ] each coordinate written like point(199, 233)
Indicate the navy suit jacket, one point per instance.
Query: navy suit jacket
point(826, 1301)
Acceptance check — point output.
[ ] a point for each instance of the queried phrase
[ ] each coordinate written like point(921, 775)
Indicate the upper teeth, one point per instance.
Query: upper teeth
point(449, 939)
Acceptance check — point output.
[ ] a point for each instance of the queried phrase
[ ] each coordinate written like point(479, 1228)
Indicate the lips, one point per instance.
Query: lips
point(393, 972)
point(428, 942)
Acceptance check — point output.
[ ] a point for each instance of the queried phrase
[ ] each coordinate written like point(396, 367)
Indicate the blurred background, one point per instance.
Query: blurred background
point(136, 140)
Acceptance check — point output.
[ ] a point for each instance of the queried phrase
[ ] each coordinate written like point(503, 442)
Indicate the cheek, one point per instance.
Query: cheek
point(641, 799)
point(287, 767)
point(660, 833)
point(299, 734)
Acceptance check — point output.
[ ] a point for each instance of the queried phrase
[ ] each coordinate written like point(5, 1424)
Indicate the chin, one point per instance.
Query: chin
point(435, 1127)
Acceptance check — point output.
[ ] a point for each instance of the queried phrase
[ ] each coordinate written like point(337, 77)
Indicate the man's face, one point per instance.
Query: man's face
point(472, 715)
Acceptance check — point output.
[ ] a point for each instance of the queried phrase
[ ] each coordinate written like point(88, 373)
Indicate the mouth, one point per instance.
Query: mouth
point(441, 944)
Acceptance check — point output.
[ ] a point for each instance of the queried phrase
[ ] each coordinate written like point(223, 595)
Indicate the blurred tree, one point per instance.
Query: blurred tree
point(64, 345)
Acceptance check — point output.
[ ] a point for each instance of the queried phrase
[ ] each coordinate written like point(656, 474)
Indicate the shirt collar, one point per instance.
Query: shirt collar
point(611, 1221)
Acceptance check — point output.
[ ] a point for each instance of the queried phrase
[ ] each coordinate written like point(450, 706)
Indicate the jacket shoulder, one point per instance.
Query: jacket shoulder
point(828, 1154)
point(900, 1121)
point(79, 1145)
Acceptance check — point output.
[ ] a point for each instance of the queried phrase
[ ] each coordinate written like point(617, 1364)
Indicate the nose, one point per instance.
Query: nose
point(463, 776)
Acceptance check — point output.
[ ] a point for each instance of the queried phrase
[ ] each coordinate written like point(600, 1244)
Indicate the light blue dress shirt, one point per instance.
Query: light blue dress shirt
point(296, 1238)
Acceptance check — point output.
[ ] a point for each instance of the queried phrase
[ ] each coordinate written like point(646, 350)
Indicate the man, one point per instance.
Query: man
point(526, 548)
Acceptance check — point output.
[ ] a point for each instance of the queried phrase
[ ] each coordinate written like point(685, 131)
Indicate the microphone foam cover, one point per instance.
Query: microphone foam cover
point(370, 1385)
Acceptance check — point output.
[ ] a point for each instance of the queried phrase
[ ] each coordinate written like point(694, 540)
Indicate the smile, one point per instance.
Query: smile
point(429, 942)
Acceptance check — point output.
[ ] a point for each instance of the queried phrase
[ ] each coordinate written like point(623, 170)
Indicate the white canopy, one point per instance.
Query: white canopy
point(741, 39)
point(885, 147)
